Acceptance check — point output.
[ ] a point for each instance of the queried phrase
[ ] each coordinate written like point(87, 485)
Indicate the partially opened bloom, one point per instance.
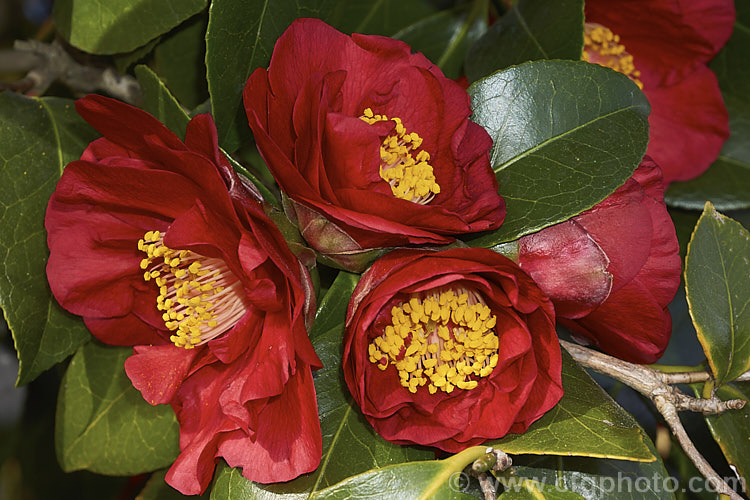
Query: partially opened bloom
point(158, 244)
point(612, 270)
point(451, 348)
point(371, 143)
point(664, 46)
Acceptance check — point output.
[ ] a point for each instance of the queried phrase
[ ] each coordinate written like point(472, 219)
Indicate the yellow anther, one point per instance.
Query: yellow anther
point(410, 179)
point(440, 341)
point(603, 47)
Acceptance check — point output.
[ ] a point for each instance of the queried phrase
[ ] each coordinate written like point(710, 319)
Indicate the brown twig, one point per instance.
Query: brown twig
point(694, 377)
point(668, 400)
point(47, 63)
point(495, 460)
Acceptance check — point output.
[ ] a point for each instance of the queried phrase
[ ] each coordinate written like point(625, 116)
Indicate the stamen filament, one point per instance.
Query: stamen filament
point(200, 296)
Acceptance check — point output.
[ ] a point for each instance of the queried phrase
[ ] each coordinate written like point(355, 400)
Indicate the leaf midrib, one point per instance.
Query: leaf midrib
point(525, 27)
point(327, 456)
point(95, 421)
point(560, 136)
point(730, 358)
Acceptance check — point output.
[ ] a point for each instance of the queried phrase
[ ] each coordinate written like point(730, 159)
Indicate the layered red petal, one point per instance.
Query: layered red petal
point(234, 385)
point(304, 112)
point(509, 398)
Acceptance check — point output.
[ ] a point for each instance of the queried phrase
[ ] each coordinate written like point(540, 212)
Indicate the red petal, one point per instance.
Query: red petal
point(621, 226)
point(689, 124)
point(568, 266)
point(125, 125)
point(287, 440)
point(158, 371)
point(668, 38)
point(631, 325)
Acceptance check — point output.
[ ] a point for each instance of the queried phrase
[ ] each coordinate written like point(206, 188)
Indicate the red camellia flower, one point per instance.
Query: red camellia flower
point(371, 143)
point(451, 348)
point(664, 45)
point(158, 244)
point(612, 270)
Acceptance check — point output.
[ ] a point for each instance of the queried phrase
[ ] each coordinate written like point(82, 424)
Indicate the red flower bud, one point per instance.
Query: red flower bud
point(612, 270)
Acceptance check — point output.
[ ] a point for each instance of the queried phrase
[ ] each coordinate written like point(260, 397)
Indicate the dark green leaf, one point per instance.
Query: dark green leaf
point(240, 37)
point(157, 489)
point(380, 17)
point(598, 479)
point(38, 137)
point(158, 101)
point(717, 281)
point(528, 489)
point(566, 134)
point(531, 30)
point(103, 423)
point(731, 429)
point(112, 26)
point(350, 445)
point(425, 480)
point(180, 61)
point(445, 36)
point(124, 61)
point(586, 422)
point(726, 184)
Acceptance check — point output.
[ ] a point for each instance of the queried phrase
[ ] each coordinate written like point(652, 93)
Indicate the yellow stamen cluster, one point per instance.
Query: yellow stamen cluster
point(199, 295)
point(444, 340)
point(603, 47)
point(411, 178)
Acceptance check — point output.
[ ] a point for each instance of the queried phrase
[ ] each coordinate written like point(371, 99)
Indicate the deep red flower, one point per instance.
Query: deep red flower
point(670, 42)
point(450, 348)
point(218, 319)
point(612, 270)
point(372, 144)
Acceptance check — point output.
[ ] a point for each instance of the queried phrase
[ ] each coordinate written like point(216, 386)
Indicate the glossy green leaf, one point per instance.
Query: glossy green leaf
point(600, 479)
point(112, 26)
point(350, 445)
point(445, 37)
point(566, 134)
point(586, 422)
point(731, 429)
point(158, 101)
point(717, 281)
point(531, 30)
point(528, 489)
point(726, 183)
point(421, 480)
point(38, 137)
point(180, 61)
point(156, 488)
point(103, 423)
